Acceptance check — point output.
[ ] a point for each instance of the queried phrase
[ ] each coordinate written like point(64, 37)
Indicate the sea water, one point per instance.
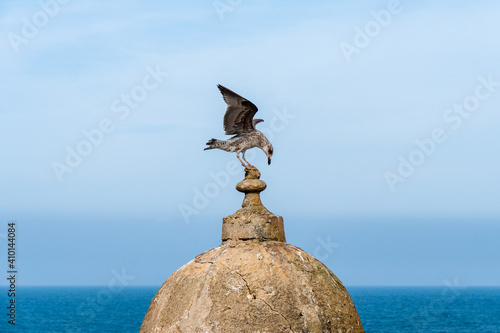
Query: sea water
point(381, 309)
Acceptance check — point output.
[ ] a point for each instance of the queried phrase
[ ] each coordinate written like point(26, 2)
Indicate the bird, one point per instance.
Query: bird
point(238, 121)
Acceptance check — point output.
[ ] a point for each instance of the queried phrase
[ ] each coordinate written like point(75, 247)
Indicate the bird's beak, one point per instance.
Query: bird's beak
point(268, 161)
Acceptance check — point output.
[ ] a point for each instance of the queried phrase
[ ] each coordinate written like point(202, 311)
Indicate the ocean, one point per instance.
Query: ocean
point(382, 309)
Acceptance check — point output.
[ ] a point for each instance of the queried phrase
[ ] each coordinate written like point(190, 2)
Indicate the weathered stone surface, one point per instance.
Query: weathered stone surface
point(253, 282)
point(253, 287)
point(253, 221)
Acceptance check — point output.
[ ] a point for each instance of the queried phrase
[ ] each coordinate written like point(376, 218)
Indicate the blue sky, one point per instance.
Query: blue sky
point(383, 116)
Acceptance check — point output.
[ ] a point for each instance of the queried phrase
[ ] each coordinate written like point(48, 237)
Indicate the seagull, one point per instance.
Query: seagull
point(239, 120)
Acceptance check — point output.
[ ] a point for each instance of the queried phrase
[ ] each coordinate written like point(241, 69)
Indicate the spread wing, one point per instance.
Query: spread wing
point(239, 114)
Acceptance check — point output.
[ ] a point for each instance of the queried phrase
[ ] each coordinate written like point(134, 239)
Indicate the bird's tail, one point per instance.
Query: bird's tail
point(212, 144)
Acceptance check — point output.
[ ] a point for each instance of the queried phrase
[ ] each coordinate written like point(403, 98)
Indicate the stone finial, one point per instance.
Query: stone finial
point(253, 282)
point(253, 222)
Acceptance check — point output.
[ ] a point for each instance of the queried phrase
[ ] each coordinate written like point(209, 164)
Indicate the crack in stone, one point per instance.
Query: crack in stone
point(254, 297)
point(244, 280)
point(270, 307)
point(205, 262)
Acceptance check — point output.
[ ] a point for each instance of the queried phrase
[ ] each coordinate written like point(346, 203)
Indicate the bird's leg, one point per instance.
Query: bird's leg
point(246, 166)
point(249, 166)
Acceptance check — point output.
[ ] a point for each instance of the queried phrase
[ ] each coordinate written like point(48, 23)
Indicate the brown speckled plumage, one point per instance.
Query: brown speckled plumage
point(238, 120)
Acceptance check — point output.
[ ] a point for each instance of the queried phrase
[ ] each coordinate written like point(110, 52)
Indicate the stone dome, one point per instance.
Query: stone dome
point(253, 282)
